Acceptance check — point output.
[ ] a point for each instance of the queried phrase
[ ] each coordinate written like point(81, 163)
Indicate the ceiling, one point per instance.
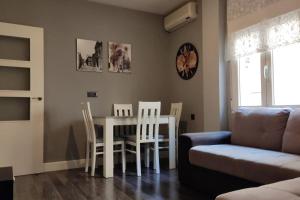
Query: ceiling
point(160, 7)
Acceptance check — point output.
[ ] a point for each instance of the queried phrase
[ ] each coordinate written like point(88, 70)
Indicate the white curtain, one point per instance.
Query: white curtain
point(265, 36)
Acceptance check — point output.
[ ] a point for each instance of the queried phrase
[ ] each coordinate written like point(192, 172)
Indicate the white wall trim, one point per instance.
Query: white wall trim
point(64, 165)
point(73, 164)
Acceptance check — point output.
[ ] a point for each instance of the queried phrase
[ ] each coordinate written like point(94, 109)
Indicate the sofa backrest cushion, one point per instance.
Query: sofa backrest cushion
point(291, 136)
point(259, 127)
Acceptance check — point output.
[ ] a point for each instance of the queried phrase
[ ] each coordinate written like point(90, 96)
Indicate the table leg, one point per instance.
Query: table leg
point(172, 145)
point(108, 161)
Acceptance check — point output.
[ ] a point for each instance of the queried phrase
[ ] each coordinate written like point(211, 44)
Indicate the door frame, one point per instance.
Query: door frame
point(36, 62)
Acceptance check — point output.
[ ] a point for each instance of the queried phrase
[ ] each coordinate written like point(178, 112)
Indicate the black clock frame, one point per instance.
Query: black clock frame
point(179, 53)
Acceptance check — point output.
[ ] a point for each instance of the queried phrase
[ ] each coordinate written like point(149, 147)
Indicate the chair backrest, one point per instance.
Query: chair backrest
point(176, 109)
point(88, 122)
point(123, 110)
point(148, 121)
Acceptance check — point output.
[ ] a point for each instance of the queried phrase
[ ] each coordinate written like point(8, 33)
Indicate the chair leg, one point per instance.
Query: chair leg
point(147, 155)
point(138, 160)
point(123, 158)
point(156, 158)
point(87, 157)
point(93, 160)
point(154, 161)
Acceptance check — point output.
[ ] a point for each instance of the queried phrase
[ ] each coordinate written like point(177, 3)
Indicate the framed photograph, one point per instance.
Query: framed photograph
point(89, 56)
point(119, 57)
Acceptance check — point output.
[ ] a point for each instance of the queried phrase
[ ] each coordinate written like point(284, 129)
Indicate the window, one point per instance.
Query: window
point(267, 57)
point(286, 75)
point(270, 79)
point(250, 80)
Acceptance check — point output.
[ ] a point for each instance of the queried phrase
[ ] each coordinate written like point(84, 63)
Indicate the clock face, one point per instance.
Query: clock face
point(187, 61)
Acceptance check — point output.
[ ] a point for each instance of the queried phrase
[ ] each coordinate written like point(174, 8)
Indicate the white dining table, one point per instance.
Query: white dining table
point(108, 124)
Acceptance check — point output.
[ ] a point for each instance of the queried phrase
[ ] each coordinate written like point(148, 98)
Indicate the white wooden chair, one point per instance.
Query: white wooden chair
point(176, 109)
point(146, 132)
point(95, 145)
point(123, 110)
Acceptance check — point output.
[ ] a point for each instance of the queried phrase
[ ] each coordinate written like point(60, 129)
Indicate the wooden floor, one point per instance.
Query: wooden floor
point(77, 185)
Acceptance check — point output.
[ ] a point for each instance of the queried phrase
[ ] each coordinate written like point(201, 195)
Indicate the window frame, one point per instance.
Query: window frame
point(267, 83)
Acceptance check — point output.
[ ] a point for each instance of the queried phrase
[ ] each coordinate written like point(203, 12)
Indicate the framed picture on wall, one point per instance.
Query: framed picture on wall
point(89, 55)
point(119, 57)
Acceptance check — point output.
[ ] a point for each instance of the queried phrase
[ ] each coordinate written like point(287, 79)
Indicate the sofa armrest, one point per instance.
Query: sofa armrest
point(188, 140)
point(205, 138)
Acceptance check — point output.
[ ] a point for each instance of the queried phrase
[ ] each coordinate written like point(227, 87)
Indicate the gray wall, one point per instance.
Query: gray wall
point(205, 94)
point(214, 67)
point(187, 91)
point(153, 77)
point(64, 21)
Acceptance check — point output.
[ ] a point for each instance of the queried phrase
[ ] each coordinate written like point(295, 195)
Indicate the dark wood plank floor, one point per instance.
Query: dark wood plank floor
point(77, 185)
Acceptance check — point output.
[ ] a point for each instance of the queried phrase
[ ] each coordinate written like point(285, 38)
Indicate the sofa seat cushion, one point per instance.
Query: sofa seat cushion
point(257, 165)
point(259, 127)
point(260, 193)
point(284, 190)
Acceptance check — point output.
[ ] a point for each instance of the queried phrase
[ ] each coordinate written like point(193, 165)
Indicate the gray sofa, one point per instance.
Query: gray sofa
point(284, 190)
point(263, 148)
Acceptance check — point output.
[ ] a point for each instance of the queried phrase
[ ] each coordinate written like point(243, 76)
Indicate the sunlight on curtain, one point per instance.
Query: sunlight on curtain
point(267, 35)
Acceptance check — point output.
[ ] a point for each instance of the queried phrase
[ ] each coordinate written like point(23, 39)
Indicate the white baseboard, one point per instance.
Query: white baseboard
point(64, 165)
point(73, 164)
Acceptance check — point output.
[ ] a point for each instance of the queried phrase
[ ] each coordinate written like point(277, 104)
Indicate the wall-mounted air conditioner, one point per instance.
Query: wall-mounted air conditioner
point(180, 17)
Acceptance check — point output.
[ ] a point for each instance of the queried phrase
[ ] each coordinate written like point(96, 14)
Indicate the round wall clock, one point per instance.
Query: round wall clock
point(187, 61)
